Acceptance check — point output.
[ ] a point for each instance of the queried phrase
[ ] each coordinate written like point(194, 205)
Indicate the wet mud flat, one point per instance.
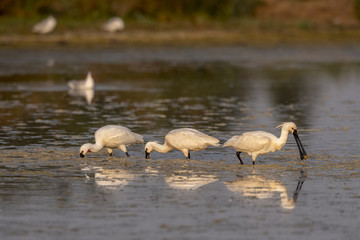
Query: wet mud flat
point(175, 198)
point(48, 192)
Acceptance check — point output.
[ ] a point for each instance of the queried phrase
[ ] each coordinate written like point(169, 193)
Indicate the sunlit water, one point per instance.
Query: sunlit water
point(48, 192)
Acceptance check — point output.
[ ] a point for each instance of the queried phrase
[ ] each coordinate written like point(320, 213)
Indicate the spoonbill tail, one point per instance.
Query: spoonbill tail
point(45, 26)
point(114, 24)
point(111, 136)
point(88, 83)
point(184, 140)
point(260, 142)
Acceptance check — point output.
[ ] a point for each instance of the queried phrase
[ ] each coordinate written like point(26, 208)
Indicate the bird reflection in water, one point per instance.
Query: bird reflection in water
point(88, 94)
point(256, 186)
point(109, 178)
point(189, 180)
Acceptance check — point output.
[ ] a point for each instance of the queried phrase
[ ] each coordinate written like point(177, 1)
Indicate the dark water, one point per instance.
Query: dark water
point(48, 192)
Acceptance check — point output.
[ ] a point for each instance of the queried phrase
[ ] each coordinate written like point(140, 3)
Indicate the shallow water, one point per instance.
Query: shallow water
point(47, 191)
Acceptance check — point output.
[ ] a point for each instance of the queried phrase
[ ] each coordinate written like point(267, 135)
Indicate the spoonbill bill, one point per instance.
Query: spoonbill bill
point(45, 26)
point(184, 140)
point(111, 137)
point(260, 142)
point(88, 83)
point(114, 24)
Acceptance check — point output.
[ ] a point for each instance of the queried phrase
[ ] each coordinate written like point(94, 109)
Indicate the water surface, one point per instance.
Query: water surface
point(48, 192)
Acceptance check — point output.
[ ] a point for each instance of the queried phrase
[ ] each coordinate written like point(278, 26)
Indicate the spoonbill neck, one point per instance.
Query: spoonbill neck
point(163, 148)
point(89, 82)
point(283, 138)
point(95, 147)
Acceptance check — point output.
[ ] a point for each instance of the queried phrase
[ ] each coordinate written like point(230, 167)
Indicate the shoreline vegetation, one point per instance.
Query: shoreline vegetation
point(184, 22)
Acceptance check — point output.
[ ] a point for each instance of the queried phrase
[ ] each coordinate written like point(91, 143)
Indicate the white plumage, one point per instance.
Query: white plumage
point(260, 142)
point(112, 137)
point(88, 83)
point(45, 26)
point(114, 24)
point(184, 140)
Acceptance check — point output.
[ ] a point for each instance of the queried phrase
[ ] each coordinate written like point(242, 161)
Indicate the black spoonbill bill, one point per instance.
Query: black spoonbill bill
point(111, 137)
point(45, 26)
point(184, 140)
point(260, 142)
point(88, 83)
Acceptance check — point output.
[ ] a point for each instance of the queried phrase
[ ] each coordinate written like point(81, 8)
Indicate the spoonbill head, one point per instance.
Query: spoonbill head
point(151, 146)
point(84, 149)
point(184, 140)
point(259, 142)
point(111, 137)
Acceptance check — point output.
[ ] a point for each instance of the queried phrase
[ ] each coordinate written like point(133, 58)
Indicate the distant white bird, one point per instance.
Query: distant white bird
point(88, 83)
point(45, 26)
point(114, 24)
point(260, 142)
point(184, 140)
point(111, 136)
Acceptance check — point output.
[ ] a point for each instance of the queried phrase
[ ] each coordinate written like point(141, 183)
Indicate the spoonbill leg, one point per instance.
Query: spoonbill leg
point(109, 151)
point(186, 152)
point(238, 155)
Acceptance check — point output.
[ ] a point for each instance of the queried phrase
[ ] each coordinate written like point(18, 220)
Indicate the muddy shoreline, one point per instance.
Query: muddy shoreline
point(233, 36)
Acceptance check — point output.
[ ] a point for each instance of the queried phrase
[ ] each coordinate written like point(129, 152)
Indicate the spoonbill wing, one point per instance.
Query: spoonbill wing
point(117, 135)
point(260, 134)
point(124, 137)
point(190, 139)
point(248, 143)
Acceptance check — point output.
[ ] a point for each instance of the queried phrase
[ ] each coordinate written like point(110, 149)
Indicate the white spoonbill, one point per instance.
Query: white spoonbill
point(114, 24)
point(111, 136)
point(260, 142)
point(45, 26)
point(184, 140)
point(88, 83)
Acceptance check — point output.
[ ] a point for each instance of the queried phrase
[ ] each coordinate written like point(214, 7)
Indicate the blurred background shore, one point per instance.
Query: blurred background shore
point(248, 22)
